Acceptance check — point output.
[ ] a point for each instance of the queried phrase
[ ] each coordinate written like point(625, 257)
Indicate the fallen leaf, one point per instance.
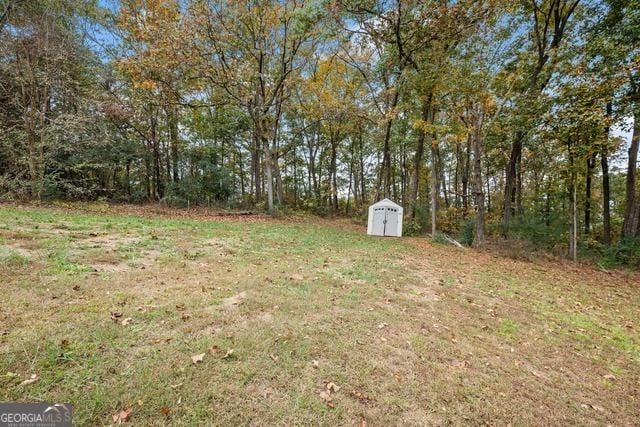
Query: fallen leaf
point(32, 379)
point(361, 397)
point(76, 288)
point(273, 357)
point(596, 407)
point(382, 325)
point(115, 316)
point(332, 387)
point(228, 354)
point(121, 416)
point(213, 350)
point(197, 358)
point(126, 321)
point(610, 377)
point(298, 277)
point(165, 411)
point(325, 395)
point(234, 301)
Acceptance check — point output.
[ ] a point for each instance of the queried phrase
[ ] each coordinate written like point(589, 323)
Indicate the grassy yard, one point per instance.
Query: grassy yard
point(303, 322)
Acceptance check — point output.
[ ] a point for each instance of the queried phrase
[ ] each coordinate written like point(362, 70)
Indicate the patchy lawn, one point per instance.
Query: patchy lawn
point(255, 321)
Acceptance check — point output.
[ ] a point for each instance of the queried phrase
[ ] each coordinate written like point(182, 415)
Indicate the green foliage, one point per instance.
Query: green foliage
point(541, 233)
point(467, 232)
point(214, 185)
point(624, 253)
point(412, 228)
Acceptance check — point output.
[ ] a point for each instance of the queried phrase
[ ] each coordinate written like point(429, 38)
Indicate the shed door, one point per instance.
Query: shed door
point(391, 227)
point(378, 221)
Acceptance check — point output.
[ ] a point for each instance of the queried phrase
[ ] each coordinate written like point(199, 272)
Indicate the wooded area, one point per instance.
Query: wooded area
point(481, 118)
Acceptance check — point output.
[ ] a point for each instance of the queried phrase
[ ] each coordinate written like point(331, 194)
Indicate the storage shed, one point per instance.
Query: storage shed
point(385, 219)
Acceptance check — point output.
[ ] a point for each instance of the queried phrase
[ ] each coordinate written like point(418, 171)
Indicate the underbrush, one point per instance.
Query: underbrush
point(626, 252)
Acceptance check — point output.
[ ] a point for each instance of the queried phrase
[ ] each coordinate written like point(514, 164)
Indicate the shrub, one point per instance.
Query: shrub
point(467, 232)
point(625, 252)
point(215, 184)
point(412, 228)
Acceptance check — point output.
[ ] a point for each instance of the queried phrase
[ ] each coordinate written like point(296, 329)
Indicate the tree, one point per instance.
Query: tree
point(549, 23)
point(251, 51)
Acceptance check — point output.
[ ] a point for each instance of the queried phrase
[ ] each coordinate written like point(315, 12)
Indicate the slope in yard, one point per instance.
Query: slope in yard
point(262, 322)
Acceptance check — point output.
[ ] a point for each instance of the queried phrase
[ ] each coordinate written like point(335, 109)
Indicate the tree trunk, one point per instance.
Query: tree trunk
point(573, 231)
point(631, 225)
point(443, 182)
point(363, 184)
point(478, 194)
point(268, 163)
point(510, 181)
point(465, 177)
point(606, 192)
point(174, 140)
point(278, 177)
point(333, 175)
point(434, 187)
point(591, 162)
point(427, 117)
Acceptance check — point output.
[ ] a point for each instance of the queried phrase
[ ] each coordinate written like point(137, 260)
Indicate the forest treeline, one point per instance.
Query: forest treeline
point(480, 117)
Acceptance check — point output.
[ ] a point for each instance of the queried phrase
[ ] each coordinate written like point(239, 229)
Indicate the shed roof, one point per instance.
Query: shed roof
point(386, 203)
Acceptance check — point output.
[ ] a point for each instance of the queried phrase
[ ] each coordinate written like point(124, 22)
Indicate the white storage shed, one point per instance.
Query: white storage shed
point(385, 219)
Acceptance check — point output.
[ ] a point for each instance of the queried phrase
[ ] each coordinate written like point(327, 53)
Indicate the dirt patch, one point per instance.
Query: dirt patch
point(420, 294)
point(106, 242)
point(234, 301)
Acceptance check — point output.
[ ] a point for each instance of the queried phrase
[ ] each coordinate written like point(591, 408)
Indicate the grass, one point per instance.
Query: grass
point(413, 333)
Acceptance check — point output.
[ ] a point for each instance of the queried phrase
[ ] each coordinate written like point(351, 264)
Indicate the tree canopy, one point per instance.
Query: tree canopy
point(483, 118)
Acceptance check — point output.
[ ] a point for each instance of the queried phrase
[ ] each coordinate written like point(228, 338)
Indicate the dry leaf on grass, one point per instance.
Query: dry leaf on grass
point(214, 349)
point(121, 416)
point(274, 357)
point(165, 411)
point(197, 358)
point(325, 395)
point(610, 377)
point(115, 316)
point(596, 407)
point(126, 321)
point(361, 397)
point(32, 379)
point(332, 387)
point(228, 354)
point(234, 301)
